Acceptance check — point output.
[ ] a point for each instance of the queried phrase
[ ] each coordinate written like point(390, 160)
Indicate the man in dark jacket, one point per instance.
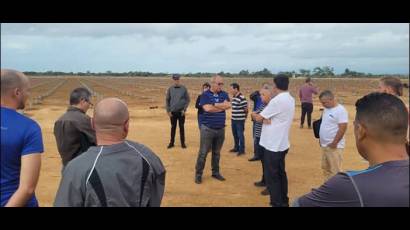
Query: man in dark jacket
point(73, 131)
point(176, 103)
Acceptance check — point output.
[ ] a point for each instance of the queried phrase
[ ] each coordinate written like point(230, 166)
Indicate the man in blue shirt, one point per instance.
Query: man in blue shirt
point(380, 130)
point(214, 102)
point(21, 143)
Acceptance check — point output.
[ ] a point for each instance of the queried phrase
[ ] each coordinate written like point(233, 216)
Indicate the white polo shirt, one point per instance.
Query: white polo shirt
point(331, 119)
point(280, 110)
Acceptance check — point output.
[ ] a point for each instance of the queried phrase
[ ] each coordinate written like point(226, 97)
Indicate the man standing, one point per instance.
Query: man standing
point(332, 130)
point(177, 102)
point(73, 131)
point(257, 104)
point(380, 130)
point(117, 172)
point(21, 143)
point(305, 96)
point(214, 102)
point(275, 140)
point(239, 114)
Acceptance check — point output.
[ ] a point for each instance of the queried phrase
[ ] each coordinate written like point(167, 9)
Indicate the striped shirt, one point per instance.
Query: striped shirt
point(258, 125)
point(239, 105)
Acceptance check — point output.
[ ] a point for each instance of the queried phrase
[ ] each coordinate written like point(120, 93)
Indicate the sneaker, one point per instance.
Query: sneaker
point(198, 179)
point(260, 184)
point(254, 159)
point(265, 192)
point(219, 177)
point(170, 146)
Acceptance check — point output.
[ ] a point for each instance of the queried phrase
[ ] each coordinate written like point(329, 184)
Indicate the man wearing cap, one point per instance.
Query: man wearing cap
point(177, 101)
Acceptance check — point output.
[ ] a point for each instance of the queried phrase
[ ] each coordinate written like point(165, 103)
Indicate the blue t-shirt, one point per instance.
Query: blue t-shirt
point(213, 120)
point(20, 136)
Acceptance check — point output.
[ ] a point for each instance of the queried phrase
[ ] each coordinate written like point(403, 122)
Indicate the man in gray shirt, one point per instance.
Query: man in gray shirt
point(177, 102)
point(380, 129)
point(116, 172)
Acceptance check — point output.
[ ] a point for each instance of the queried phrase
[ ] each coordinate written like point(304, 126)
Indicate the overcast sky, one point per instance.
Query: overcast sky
point(203, 47)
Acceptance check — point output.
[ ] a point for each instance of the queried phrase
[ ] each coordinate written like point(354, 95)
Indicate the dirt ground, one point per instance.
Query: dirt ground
point(151, 127)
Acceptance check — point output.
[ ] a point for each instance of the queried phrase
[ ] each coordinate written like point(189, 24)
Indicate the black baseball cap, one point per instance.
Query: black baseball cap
point(176, 76)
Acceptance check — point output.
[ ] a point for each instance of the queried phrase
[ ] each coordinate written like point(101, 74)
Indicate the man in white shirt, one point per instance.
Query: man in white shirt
point(332, 130)
point(277, 118)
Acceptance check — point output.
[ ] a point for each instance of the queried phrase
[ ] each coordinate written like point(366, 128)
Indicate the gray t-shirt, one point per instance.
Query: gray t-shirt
point(383, 185)
point(127, 174)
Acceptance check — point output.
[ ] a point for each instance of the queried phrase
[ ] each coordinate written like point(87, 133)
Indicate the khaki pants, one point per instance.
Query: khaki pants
point(331, 162)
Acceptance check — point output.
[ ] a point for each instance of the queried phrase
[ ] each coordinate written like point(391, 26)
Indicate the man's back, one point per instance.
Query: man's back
point(124, 174)
point(383, 185)
point(73, 134)
point(306, 92)
point(20, 136)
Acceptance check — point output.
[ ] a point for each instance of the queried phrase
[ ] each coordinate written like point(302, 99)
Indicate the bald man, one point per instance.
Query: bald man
point(116, 172)
point(215, 102)
point(21, 143)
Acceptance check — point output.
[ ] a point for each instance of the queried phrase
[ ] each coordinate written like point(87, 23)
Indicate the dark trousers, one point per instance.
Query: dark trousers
point(259, 155)
point(211, 139)
point(275, 177)
point(307, 108)
point(238, 127)
point(177, 116)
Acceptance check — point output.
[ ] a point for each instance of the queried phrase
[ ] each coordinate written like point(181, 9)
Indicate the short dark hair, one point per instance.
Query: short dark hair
point(206, 84)
point(385, 115)
point(395, 83)
point(235, 86)
point(281, 81)
point(308, 80)
point(78, 94)
point(326, 93)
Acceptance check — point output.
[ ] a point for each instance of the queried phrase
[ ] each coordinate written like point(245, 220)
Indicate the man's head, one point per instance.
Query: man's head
point(327, 99)
point(391, 85)
point(280, 83)
point(206, 86)
point(266, 95)
point(234, 88)
point(176, 78)
point(308, 80)
point(81, 98)
point(381, 118)
point(15, 88)
point(111, 119)
point(217, 83)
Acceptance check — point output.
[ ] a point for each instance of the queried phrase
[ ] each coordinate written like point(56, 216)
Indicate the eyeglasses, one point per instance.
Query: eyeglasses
point(89, 102)
point(220, 84)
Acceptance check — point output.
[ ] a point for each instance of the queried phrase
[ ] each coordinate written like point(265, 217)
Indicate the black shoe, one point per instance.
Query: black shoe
point(183, 146)
point(233, 151)
point(240, 153)
point(265, 192)
point(260, 184)
point(254, 159)
point(198, 179)
point(309, 127)
point(219, 177)
point(170, 146)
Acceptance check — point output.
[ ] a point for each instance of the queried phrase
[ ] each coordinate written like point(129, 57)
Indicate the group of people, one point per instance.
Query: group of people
point(101, 167)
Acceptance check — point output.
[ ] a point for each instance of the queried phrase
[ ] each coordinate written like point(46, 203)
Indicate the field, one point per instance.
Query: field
point(150, 126)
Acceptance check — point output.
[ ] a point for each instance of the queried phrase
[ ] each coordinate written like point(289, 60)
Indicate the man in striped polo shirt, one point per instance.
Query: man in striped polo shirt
point(239, 114)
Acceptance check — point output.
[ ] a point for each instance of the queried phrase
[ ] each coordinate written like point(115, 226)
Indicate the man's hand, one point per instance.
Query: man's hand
point(267, 121)
point(332, 145)
point(169, 114)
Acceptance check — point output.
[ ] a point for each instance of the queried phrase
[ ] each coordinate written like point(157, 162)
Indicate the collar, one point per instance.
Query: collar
point(72, 108)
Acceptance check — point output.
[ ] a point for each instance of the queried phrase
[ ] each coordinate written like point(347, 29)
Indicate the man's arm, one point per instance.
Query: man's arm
point(224, 105)
point(258, 118)
point(188, 100)
point(29, 174)
point(167, 100)
point(211, 109)
point(339, 135)
point(71, 190)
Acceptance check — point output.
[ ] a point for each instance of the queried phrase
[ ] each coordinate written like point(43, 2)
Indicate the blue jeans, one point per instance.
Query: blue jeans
point(238, 128)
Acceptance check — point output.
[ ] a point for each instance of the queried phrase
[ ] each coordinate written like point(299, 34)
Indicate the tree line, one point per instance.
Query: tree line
point(317, 72)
